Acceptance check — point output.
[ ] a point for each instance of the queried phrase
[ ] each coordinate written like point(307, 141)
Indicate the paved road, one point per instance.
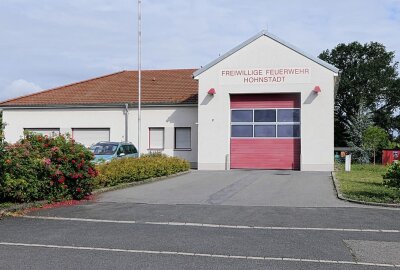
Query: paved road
point(132, 235)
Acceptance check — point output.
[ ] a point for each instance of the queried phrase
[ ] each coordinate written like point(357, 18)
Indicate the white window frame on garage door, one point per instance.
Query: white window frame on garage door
point(83, 128)
point(55, 131)
point(275, 123)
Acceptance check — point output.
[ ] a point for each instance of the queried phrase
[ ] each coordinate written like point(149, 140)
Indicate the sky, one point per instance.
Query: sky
point(49, 43)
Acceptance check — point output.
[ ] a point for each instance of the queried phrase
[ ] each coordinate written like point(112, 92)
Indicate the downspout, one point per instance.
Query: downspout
point(126, 121)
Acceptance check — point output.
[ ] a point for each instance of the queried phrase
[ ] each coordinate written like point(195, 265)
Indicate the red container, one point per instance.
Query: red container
point(390, 155)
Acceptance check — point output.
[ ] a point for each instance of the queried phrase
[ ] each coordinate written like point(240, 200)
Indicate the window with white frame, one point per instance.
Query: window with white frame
point(183, 138)
point(156, 138)
point(265, 123)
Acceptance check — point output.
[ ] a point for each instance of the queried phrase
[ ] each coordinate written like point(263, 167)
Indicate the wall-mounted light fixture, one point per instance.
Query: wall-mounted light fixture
point(211, 91)
point(317, 89)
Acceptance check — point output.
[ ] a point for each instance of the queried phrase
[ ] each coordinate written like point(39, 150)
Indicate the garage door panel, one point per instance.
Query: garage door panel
point(90, 136)
point(265, 101)
point(265, 153)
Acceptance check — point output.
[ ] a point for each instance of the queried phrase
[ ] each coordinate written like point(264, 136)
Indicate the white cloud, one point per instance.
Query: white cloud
point(19, 87)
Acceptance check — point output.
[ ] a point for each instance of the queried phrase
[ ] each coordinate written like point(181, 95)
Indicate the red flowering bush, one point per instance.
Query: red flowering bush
point(38, 167)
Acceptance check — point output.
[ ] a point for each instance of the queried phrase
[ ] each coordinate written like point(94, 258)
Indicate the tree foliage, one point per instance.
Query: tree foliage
point(1, 127)
point(369, 79)
point(355, 127)
point(374, 139)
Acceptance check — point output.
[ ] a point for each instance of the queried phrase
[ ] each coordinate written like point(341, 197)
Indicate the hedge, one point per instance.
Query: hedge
point(41, 168)
point(126, 170)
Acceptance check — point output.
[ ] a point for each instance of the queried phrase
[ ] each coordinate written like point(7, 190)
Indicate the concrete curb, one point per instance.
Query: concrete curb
point(22, 206)
point(340, 195)
point(132, 184)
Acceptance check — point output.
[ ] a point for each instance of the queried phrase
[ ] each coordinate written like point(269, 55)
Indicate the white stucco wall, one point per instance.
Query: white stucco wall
point(317, 111)
point(114, 119)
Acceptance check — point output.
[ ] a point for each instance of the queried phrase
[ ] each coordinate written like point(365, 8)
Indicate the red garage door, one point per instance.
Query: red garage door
point(265, 131)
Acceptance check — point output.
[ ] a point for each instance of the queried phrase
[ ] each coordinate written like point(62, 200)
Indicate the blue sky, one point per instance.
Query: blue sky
point(48, 43)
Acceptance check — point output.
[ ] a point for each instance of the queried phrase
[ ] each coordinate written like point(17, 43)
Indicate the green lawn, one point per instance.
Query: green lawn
point(364, 183)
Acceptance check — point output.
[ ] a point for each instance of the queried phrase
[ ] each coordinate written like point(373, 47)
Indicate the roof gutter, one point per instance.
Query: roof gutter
point(94, 106)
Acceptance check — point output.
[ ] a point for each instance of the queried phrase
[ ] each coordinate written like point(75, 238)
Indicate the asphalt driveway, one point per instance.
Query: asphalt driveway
point(236, 187)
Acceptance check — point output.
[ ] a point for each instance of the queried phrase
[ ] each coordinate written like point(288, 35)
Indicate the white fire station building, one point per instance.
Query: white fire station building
point(263, 105)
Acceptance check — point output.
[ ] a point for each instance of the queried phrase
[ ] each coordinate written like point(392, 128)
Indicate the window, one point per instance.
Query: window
point(183, 138)
point(289, 131)
point(156, 138)
point(265, 123)
point(242, 131)
point(120, 151)
point(133, 149)
point(104, 148)
point(289, 115)
point(242, 116)
point(129, 149)
point(265, 131)
point(264, 115)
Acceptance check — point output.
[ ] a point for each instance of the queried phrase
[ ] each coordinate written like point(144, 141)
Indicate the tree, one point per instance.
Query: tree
point(1, 127)
point(369, 79)
point(375, 138)
point(355, 128)
point(1, 147)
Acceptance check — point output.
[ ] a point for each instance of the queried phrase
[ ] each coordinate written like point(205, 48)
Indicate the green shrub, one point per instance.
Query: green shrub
point(392, 176)
point(38, 167)
point(126, 170)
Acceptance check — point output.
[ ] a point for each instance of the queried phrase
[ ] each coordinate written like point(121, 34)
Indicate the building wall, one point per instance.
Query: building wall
point(317, 111)
point(114, 118)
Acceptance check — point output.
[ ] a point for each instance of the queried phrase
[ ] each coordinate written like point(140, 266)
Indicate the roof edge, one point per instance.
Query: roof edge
point(87, 80)
point(110, 105)
point(60, 87)
point(273, 37)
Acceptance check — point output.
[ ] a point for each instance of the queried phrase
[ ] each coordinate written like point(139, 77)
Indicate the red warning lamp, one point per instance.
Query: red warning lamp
point(211, 91)
point(317, 89)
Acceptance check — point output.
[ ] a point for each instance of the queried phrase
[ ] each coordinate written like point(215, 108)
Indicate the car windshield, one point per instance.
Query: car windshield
point(104, 149)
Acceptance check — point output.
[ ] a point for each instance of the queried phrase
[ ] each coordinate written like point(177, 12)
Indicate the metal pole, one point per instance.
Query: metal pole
point(139, 74)
point(126, 122)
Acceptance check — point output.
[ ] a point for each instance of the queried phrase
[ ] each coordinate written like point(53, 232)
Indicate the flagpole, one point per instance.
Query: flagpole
point(139, 75)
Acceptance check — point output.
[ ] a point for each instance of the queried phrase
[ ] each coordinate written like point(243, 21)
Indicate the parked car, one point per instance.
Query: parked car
point(107, 151)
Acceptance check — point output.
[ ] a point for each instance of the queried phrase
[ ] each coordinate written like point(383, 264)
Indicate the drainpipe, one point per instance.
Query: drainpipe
point(126, 121)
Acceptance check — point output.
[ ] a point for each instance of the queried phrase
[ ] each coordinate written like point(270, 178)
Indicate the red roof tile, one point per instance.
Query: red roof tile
point(158, 87)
